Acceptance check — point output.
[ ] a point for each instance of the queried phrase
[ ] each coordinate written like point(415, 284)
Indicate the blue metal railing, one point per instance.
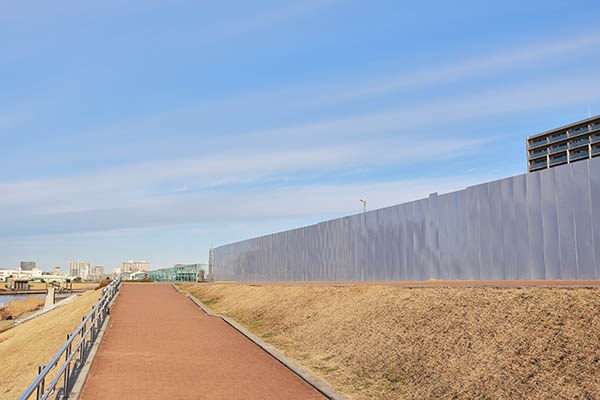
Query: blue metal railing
point(538, 154)
point(580, 142)
point(95, 318)
point(539, 143)
point(579, 131)
point(558, 160)
point(556, 138)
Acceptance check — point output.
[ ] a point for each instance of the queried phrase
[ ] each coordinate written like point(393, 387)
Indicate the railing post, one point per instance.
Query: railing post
point(67, 370)
point(92, 326)
point(40, 388)
point(82, 349)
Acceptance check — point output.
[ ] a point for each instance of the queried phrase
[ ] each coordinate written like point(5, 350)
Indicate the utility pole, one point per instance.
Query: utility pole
point(364, 205)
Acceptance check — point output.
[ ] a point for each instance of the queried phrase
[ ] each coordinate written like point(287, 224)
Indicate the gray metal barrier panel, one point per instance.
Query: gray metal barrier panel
point(541, 225)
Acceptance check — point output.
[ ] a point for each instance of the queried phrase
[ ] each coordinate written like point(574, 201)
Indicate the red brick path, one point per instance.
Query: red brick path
point(159, 345)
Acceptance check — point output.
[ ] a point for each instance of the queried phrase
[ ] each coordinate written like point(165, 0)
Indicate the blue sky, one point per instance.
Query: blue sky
point(149, 130)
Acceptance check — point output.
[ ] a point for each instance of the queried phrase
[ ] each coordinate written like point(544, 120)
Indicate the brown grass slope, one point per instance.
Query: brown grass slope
point(429, 343)
point(14, 308)
point(25, 347)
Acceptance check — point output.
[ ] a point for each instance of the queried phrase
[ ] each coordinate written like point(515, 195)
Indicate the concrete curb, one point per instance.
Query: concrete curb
point(307, 376)
point(45, 310)
point(77, 388)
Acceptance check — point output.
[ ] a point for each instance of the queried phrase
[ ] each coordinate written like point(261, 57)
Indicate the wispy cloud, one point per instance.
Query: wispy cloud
point(206, 119)
point(253, 170)
point(301, 201)
point(562, 51)
point(351, 143)
point(135, 182)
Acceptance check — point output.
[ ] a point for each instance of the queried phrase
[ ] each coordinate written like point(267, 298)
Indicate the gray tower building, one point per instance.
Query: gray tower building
point(27, 265)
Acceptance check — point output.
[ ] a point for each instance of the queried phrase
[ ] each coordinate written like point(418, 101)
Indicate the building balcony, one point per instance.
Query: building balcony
point(537, 165)
point(557, 149)
point(595, 151)
point(579, 143)
point(578, 155)
point(557, 138)
point(536, 145)
point(578, 132)
point(538, 154)
point(558, 160)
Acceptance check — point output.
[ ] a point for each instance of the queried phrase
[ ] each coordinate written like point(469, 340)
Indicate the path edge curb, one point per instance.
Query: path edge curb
point(314, 381)
point(77, 389)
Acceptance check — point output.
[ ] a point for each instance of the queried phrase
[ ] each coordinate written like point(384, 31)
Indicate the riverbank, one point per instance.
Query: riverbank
point(14, 308)
point(33, 343)
point(394, 342)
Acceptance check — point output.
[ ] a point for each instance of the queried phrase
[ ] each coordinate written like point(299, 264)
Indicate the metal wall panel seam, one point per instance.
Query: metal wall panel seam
point(532, 226)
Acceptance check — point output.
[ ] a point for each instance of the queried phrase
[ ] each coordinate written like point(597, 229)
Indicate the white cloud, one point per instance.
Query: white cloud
point(209, 207)
point(548, 53)
point(281, 154)
point(205, 120)
point(206, 188)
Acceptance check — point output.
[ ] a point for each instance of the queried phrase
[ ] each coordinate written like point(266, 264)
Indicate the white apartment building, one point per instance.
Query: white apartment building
point(97, 271)
point(5, 273)
point(136, 266)
point(18, 273)
point(79, 269)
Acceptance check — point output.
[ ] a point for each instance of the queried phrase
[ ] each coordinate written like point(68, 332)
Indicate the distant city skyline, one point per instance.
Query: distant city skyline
point(184, 125)
point(128, 266)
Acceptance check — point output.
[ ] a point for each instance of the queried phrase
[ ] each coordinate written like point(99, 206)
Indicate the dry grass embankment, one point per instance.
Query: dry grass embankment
point(428, 343)
point(25, 347)
point(14, 308)
point(76, 285)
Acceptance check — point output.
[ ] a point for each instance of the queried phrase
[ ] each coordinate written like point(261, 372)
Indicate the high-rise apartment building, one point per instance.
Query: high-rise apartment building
point(570, 143)
point(136, 266)
point(27, 265)
point(56, 271)
point(79, 269)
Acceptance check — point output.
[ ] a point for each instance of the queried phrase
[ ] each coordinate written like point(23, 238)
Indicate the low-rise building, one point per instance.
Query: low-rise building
point(20, 274)
point(6, 273)
point(136, 266)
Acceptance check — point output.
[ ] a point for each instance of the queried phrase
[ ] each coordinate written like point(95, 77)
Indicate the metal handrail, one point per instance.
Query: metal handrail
point(97, 316)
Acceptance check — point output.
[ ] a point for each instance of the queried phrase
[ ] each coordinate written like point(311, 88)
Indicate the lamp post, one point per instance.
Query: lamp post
point(364, 205)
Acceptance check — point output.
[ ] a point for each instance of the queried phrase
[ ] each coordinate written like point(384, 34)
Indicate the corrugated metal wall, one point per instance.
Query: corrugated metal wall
point(541, 225)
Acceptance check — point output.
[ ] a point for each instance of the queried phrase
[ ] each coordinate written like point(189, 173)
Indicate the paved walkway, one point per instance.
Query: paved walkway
point(160, 345)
